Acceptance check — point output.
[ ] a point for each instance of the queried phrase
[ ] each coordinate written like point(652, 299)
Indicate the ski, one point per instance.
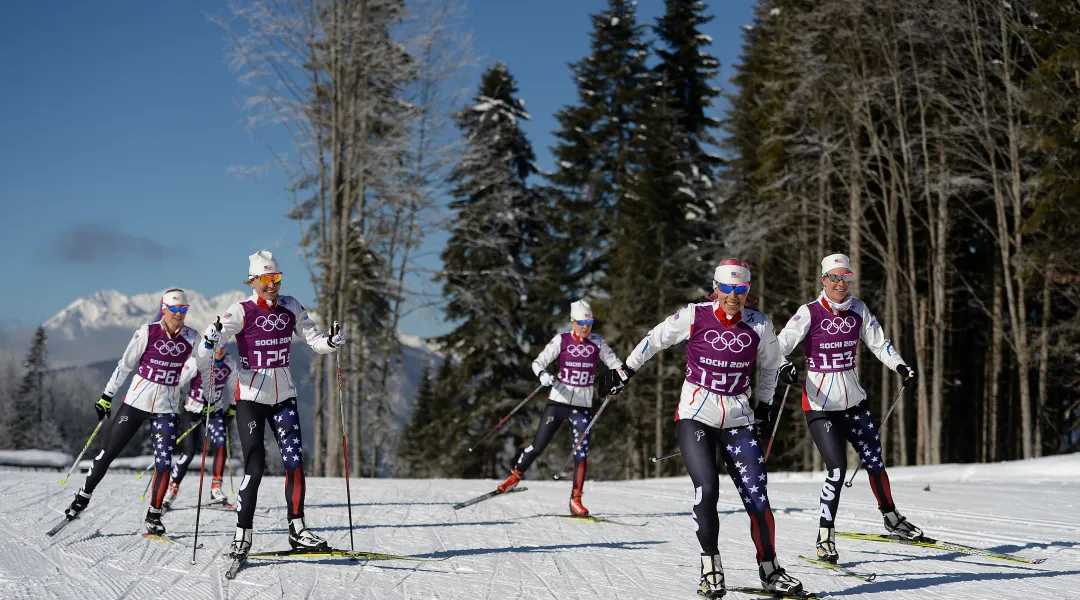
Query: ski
point(598, 520)
point(926, 542)
point(839, 569)
point(756, 591)
point(58, 527)
point(160, 538)
point(338, 553)
point(486, 496)
point(234, 567)
point(220, 505)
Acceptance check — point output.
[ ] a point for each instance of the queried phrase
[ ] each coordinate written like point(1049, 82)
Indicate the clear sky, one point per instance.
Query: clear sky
point(119, 121)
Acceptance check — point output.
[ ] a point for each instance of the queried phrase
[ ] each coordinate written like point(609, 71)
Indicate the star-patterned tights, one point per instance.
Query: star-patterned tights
point(830, 429)
point(554, 414)
point(193, 445)
point(126, 422)
point(284, 419)
point(745, 462)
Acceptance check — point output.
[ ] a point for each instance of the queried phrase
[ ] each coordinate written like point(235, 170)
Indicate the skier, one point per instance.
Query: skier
point(723, 339)
point(264, 325)
point(158, 350)
point(831, 327)
point(222, 411)
point(578, 351)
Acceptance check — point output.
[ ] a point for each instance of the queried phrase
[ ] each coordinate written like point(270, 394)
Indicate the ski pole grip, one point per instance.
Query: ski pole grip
point(335, 328)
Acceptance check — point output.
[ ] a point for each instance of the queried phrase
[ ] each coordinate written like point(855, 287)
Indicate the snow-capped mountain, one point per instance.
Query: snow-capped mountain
point(107, 309)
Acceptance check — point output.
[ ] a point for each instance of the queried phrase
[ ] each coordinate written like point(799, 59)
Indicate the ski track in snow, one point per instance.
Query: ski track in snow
point(513, 547)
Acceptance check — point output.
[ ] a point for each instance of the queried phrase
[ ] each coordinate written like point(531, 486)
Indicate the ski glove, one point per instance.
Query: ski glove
point(212, 337)
point(230, 412)
point(613, 382)
point(766, 417)
point(546, 379)
point(103, 407)
point(337, 336)
point(195, 406)
point(907, 373)
point(789, 374)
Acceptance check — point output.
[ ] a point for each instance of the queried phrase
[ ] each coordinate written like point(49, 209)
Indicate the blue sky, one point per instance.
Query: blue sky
point(120, 121)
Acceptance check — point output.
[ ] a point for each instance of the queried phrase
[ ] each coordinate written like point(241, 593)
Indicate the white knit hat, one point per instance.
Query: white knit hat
point(174, 298)
point(835, 261)
point(732, 272)
point(261, 263)
point(580, 310)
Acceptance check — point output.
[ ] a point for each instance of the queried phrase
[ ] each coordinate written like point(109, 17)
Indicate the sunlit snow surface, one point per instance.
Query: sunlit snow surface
point(506, 548)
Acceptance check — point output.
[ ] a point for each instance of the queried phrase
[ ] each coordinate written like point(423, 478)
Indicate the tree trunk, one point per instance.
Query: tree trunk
point(1044, 364)
point(997, 338)
point(319, 368)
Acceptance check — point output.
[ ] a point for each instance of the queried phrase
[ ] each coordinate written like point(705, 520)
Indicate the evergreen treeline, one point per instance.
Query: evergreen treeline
point(936, 143)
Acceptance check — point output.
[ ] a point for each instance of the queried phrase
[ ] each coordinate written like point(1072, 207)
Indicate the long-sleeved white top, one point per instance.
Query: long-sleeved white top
point(158, 359)
point(574, 384)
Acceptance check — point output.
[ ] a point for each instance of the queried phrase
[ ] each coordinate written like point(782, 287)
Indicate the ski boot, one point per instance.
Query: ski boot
point(302, 538)
point(241, 544)
point(82, 499)
point(576, 507)
point(170, 496)
point(216, 495)
point(511, 481)
point(826, 545)
point(712, 577)
point(898, 525)
point(775, 579)
point(153, 521)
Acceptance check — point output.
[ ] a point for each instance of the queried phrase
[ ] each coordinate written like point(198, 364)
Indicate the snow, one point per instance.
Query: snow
point(774, 12)
point(511, 548)
point(614, 21)
point(36, 458)
point(704, 38)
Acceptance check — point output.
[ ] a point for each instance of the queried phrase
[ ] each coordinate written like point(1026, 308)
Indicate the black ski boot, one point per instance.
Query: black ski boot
point(302, 538)
point(898, 525)
point(712, 577)
point(826, 545)
point(775, 579)
point(153, 521)
point(82, 499)
point(241, 544)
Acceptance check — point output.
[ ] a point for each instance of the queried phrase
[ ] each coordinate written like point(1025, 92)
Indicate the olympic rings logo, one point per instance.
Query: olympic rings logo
point(838, 325)
point(220, 375)
point(170, 347)
point(581, 350)
point(728, 340)
point(272, 322)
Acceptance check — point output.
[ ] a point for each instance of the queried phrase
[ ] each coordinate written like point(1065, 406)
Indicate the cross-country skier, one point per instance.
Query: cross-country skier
point(158, 351)
point(222, 412)
point(264, 325)
point(578, 352)
point(833, 399)
point(723, 339)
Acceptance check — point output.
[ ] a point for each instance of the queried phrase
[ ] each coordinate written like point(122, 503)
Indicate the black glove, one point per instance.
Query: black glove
point(789, 374)
point(766, 416)
point(613, 381)
point(103, 406)
point(907, 373)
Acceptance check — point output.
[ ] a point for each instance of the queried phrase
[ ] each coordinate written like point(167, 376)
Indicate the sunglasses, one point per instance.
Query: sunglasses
point(740, 289)
point(177, 309)
point(846, 277)
point(584, 322)
point(269, 278)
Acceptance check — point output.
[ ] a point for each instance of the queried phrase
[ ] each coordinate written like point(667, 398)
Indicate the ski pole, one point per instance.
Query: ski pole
point(777, 423)
point(656, 459)
point(84, 448)
point(206, 435)
point(881, 429)
point(344, 437)
point(178, 440)
point(557, 476)
point(506, 418)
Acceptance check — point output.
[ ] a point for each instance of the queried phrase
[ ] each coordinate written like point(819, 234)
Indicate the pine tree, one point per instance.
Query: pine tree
point(595, 141)
point(487, 267)
point(414, 441)
point(28, 410)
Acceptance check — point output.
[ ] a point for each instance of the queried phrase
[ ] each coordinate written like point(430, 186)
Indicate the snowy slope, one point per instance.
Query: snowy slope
point(508, 548)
